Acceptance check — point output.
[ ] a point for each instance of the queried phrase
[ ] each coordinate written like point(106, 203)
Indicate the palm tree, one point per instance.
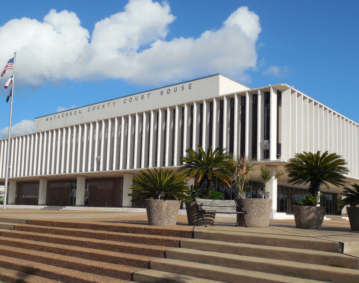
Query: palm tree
point(242, 171)
point(204, 166)
point(266, 177)
point(157, 184)
point(351, 196)
point(316, 169)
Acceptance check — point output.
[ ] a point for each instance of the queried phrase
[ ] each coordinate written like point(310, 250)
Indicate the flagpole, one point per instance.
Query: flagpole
point(7, 169)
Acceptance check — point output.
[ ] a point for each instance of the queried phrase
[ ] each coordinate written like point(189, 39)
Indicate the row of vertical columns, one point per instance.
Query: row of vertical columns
point(140, 142)
point(310, 126)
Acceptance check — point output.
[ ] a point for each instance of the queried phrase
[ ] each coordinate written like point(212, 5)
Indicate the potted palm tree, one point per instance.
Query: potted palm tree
point(315, 169)
point(204, 167)
point(351, 199)
point(163, 191)
point(258, 209)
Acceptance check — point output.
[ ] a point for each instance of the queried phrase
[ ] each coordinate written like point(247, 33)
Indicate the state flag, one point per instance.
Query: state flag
point(9, 82)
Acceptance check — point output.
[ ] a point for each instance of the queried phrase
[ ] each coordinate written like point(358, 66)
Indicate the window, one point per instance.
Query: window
point(182, 131)
point(210, 127)
point(266, 123)
point(254, 126)
point(201, 125)
point(231, 126)
point(191, 129)
point(243, 126)
point(220, 142)
point(279, 124)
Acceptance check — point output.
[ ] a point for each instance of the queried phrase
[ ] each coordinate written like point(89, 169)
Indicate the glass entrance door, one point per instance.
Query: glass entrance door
point(73, 194)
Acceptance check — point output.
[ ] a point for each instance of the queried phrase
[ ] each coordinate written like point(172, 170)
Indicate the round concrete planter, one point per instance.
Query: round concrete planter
point(197, 220)
point(162, 212)
point(353, 214)
point(258, 212)
point(308, 217)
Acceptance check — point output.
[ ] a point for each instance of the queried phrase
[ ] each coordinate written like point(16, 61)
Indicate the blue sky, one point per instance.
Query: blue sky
point(65, 61)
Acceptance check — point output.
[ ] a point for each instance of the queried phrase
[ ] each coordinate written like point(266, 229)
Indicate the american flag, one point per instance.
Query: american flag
point(9, 66)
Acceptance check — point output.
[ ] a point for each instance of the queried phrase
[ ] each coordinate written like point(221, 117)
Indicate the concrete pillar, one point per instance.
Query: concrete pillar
point(80, 190)
point(12, 192)
point(273, 189)
point(127, 182)
point(42, 192)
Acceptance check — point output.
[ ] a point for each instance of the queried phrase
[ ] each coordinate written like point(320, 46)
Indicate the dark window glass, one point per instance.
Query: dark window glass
point(201, 124)
point(266, 123)
point(105, 192)
point(191, 129)
point(149, 141)
point(182, 132)
point(243, 126)
point(231, 126)
point(330, 202)
point(27, 193)
point(165, 129)
point(141, 141)
point(58, 193)
point(279, 124)
point(289, 196)
point(210, 127)
point(156, 131)
point(173, 135)
point(254, 126)
point(220, 142)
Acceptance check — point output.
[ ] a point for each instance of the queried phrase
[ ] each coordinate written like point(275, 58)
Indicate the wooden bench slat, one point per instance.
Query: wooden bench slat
point(218, 206)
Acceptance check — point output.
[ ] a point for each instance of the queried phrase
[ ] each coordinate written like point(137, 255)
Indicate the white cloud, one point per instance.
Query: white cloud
point(24, 127)
point(60, 108)
point(129, 45)
point(276, 71)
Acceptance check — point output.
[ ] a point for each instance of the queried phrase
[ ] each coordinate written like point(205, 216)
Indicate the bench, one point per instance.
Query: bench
point(218, 206)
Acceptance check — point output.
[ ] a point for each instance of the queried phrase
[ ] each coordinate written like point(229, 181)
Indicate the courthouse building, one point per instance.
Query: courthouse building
point(87, 156)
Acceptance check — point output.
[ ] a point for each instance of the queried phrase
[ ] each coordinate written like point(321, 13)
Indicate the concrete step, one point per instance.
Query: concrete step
point(171, 231)
point(53, 272)
point(273, 266)
point(13, 220)
point(7, 226)
point(220, 273)
point(297, 255)
point(154, 276)
point(12, 276)
point(103, 235)
point(286, 241)
point(139, 249)
point(139, 261)
point(69, 262)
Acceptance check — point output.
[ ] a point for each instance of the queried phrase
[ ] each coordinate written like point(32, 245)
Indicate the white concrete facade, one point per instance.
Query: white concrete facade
point(153, 129)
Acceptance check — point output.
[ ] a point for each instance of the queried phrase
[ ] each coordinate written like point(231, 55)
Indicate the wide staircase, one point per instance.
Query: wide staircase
point(57, 251)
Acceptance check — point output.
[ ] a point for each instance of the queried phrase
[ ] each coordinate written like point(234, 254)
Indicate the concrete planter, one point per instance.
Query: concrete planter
point(162, 212)
point(195, 218)
point(353, 214)
point(258, 212)
point(308, 217)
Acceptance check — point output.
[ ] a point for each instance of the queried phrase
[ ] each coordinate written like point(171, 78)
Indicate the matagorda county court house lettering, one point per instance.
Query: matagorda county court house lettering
point(88, 156)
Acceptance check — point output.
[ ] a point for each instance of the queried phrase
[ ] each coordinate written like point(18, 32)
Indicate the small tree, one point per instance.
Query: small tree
point(205, 166)
point(267, 179)
point(351, 196)
point(242, 170)
point(159, 184)
point(316, 169)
